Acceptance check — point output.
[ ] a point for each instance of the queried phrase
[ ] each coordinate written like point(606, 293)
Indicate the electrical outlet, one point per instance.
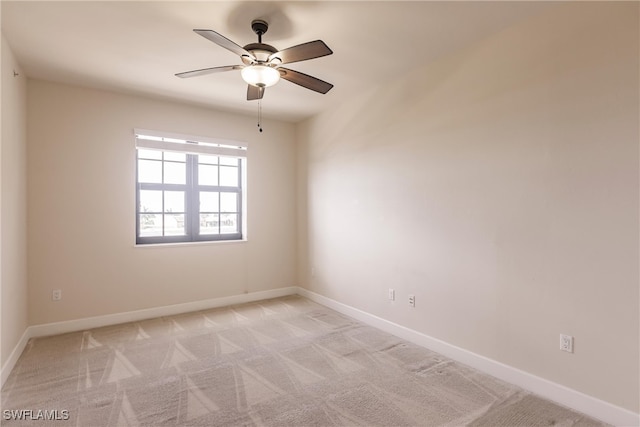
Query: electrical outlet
point(412, 300)
point(566, 343)
point(392, 295)
point(56, 295)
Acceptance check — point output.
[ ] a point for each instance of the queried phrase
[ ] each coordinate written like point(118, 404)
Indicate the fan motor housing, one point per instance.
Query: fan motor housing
point(261, 51)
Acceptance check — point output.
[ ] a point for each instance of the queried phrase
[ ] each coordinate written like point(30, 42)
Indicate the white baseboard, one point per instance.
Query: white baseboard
point(566, 396)
point(168, 310)
point(132, 316)
point(558, 393)
point(13, 357)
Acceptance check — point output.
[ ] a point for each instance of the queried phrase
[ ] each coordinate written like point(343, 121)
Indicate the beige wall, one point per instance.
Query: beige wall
point(500, 186)
point(81, 196)
point(13, 206)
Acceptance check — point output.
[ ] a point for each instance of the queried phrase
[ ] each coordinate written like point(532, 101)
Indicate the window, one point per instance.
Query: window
point(188, 189)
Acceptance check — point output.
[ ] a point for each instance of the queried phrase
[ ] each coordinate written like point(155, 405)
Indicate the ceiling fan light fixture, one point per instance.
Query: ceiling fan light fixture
point(262, 63)
point(260, 75)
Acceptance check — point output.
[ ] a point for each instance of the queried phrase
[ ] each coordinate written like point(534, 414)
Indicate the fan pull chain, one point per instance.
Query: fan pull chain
point(260, 114)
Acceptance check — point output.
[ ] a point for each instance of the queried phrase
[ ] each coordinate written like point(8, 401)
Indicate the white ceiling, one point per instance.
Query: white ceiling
point(137, 47)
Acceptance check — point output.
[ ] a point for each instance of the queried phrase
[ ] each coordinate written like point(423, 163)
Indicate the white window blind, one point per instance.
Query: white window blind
point(190, 144)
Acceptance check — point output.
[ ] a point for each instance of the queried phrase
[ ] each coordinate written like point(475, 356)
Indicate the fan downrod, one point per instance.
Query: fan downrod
point(259, 27)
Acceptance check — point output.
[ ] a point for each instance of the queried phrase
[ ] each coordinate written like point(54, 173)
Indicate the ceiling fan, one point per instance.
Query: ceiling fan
point(262, 63)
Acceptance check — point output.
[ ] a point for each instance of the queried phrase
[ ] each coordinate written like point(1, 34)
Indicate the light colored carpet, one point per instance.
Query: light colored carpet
point(281, 362)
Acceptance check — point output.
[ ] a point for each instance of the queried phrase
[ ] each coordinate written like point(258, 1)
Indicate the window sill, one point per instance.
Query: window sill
point(181, 244)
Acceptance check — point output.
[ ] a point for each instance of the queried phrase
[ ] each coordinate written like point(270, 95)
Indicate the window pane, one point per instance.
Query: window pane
point(149, 171)
point(212, 160)
point(174, 201)
point(228, 223)
point(228, 202)
point(150, 201)
point(228, 176)
point(229, 161)
point(174, 225)
point(176, 157)
point(150, 225)
point(209, 224)
point(207, 175)
point(175, 173)
point(149, 154)
point(209, 201)
point(186, 197)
